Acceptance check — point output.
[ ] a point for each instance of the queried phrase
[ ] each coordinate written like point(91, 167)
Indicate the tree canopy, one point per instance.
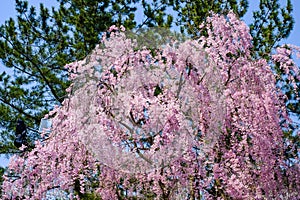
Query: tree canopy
point(187, 120)
point(36, 46)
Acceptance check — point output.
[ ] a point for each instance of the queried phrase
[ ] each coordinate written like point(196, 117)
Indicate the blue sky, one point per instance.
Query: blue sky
point(7, 10)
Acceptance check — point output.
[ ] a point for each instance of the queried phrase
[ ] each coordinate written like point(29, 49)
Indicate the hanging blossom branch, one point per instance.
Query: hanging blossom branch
point(195, 119)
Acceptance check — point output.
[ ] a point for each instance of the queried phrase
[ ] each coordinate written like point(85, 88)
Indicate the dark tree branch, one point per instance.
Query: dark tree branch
point(19, 110)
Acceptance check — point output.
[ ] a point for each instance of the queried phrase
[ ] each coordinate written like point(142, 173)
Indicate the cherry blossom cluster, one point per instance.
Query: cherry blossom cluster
point(185, 120)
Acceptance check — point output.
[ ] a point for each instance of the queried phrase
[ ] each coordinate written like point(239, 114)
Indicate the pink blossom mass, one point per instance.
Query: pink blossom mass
point(196, 119)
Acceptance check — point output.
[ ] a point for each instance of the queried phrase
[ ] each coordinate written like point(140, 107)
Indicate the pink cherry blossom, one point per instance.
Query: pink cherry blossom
point(188, 120)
